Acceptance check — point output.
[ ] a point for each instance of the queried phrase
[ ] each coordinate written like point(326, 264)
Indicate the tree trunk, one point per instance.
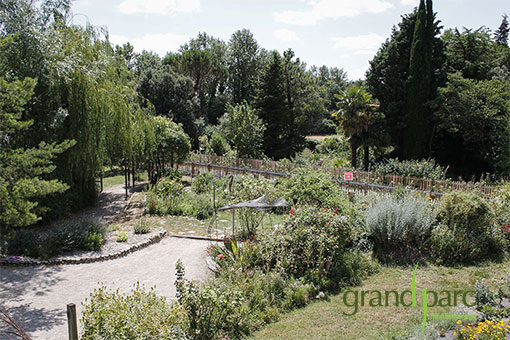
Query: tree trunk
point(366, 156)
point(128, 170)
point(354, 153)
point(133, 172)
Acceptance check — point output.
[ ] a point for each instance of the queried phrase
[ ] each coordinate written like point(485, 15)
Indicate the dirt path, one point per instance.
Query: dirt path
point(37, 296)
point(110, 203)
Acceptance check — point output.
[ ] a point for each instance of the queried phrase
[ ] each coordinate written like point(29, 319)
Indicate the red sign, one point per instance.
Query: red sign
point(348, 176)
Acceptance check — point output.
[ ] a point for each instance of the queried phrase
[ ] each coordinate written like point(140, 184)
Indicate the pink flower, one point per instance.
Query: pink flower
point(220, 256)
point(292, 211)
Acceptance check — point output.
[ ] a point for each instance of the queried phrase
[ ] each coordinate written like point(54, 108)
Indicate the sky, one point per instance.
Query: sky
point(340, 33)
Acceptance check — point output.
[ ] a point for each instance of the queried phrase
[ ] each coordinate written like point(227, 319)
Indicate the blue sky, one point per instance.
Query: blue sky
point(341, 33)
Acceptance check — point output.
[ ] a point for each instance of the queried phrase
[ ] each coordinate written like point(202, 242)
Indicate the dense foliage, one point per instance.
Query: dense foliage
point(77, 90)
point(141, 314)
point(447, 87)
point(467, 232)
point(423, 169)
point(22, 169)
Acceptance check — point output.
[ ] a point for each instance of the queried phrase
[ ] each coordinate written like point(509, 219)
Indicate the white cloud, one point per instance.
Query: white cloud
point(409, 2)
point(361, 44)
point(286, 35)
point(159, 43)
point(162, 7)
point(331, 9)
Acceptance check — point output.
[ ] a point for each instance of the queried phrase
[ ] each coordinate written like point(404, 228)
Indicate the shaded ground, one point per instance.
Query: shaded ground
point(37, 296)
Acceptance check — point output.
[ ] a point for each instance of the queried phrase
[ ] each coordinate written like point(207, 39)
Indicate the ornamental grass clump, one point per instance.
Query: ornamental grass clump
point(142, 226)
point(400, 225)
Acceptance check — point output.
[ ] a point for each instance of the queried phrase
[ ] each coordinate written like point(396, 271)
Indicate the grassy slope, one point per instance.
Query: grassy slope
point(325, 320)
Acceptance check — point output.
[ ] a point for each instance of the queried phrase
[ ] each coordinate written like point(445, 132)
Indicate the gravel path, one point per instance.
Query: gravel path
point(37, 296)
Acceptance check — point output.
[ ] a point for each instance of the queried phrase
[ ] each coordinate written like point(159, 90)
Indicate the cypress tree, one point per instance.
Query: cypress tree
point(419, 84)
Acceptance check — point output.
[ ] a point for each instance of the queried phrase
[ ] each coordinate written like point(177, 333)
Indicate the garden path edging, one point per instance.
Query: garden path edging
point(137, 246)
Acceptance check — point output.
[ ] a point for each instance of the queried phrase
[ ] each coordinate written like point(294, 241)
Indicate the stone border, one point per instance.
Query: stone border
point(153, 239)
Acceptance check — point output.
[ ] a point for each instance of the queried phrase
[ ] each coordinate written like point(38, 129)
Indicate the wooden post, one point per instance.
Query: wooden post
point(125, 179)
point(128, 173)
point(133, 163)
point(71, 321)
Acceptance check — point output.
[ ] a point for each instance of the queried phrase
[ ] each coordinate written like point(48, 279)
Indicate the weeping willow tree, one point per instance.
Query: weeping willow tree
point(84, 92)
point(104, 115)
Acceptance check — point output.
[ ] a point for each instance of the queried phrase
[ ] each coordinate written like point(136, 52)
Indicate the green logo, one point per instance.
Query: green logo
point(354, 299)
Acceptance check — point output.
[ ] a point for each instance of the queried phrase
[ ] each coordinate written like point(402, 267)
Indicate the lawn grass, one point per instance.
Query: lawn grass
point(325, 319)
point(320, 138)
point(119, 179)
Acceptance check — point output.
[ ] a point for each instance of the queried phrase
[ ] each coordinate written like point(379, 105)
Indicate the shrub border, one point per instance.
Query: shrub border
point(137, 246)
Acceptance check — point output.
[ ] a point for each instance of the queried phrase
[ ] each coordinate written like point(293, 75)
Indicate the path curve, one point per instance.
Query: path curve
point(37, 296)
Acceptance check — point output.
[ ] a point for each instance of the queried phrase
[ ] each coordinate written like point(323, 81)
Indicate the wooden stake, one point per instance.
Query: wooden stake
point(71, 321)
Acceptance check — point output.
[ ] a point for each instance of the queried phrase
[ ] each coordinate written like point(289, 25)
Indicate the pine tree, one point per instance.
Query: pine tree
point(22, 170)
point(501, 35)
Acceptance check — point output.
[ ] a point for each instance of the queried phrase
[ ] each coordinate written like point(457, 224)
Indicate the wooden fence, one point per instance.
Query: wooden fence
point(362, 180)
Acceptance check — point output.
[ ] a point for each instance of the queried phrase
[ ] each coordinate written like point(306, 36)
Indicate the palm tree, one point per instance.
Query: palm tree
point(356, 112)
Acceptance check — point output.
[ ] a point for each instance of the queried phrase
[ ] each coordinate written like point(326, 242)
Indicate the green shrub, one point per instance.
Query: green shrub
point(173, 175)
point(71, 237)
point(122, 236)
point(142, 226)
point(217, 145)
point(483, 295)
point(249, 221)
point(86, 235)
point(317, 245)
point(424, 168)
point(202, 183)
point(333, 146)
point(25, 242)
point(309, 186)
point(93, 241)
point(139, 314)
point(467, 232)
point(49, 247)
point(248, 187)
point(500, 203)
point(396, 225)
point(185, 204)
point(238, 302)
point(198, 206)
point(167, 187)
